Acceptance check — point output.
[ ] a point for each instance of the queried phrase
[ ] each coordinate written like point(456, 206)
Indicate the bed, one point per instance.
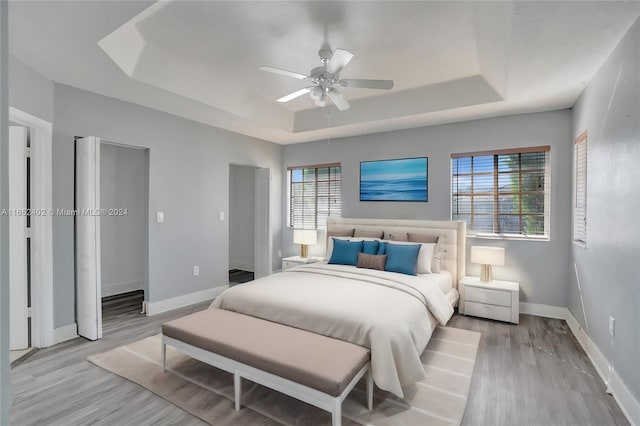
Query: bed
point(390, 313)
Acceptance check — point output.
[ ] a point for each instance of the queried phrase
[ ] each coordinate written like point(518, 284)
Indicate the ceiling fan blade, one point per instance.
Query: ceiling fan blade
point(367, 84)
point(339, 60)
point(294, 95)
point(283, 72)
point(339, 100)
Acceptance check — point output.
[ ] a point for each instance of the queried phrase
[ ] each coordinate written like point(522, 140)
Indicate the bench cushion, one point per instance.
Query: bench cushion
point(310, 359)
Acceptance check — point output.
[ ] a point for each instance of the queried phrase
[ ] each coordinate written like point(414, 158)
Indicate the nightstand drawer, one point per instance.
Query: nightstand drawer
point(287, 264)
point(500, 313)
point(484, 295)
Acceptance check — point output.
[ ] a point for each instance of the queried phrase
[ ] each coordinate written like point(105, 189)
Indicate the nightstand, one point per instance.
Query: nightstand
point(290, 262)
point(499, 300)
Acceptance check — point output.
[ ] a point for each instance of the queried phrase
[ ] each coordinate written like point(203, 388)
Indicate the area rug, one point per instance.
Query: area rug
point(207, 392)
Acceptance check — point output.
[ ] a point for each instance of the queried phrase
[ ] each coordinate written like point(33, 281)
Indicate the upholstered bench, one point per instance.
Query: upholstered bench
point(310, 367)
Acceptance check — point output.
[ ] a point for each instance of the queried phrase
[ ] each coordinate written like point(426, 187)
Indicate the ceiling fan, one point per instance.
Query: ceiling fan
point(326, 77)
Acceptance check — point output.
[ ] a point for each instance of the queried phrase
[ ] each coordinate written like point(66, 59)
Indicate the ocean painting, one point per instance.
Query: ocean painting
point(394, 180)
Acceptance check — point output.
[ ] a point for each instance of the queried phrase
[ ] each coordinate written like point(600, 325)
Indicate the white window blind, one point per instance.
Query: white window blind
point(503, 192)
point(314, 193)
point(580, 189)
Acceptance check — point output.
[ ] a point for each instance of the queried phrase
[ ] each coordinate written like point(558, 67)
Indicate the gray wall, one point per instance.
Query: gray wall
point(241, 217)
point(123, 238)
point(29, 91)
point(188, 180)
point(609, 267)
point(541, 267)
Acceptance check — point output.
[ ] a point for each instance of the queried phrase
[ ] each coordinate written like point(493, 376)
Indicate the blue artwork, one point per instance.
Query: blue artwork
point(394, 180)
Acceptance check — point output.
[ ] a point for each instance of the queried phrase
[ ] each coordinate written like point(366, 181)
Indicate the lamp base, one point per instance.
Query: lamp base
point(486, 274)
point(303, 250)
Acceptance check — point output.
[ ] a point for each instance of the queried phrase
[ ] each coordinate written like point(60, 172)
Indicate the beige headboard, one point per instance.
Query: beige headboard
point(452, 236)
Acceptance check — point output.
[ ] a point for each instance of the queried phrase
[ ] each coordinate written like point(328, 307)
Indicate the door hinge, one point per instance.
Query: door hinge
point(29, 312)
point(28, 233)
point(28, 151)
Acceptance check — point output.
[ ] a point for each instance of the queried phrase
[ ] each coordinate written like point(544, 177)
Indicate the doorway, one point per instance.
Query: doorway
point(111, 230)
point(123, 232)
point(241, 223)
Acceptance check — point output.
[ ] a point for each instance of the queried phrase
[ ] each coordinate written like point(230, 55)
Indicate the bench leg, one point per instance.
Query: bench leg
point(336, 415)
point(164, 357)
point(237, 390)
point(369, 389)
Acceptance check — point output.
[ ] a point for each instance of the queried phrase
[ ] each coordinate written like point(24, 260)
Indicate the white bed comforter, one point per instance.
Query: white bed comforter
point(383, 311)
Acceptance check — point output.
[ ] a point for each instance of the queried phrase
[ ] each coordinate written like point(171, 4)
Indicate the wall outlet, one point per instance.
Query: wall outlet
point(612, 326)
point(221, 216)
point(196, 271)
point(160, 217)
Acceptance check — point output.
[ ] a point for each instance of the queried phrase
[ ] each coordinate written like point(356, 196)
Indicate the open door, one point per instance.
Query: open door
point(262, 253)
point(18, 293)
point(87, 223)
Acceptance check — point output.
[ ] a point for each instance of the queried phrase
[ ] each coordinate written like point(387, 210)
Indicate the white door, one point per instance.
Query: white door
point(18, 295)
point(88, 286)
point(262, 253)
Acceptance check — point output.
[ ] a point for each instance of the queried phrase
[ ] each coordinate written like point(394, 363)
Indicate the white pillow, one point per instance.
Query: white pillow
point(425, 256)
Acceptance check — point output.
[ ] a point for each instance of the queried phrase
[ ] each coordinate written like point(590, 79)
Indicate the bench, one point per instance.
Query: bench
point(316, 369)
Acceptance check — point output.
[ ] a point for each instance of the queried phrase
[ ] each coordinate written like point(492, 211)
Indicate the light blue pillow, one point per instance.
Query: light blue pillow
point(370, 247)
point(382, 247)
point(402, 258)
point(345, 252)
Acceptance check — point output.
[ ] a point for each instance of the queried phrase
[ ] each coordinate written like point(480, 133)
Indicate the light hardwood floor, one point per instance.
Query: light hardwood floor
point(534, 373)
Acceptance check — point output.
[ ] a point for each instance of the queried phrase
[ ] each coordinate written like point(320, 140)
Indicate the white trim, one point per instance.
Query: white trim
point(42, 249)
point(629, 405)
point(547, 311)
point(119, 288)
point(64, 333)
point(155, 308)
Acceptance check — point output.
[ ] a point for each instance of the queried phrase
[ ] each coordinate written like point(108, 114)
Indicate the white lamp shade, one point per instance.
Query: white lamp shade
point(305, 236)
point(487, 255)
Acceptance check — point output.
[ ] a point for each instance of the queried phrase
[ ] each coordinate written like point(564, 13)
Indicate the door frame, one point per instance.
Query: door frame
point(41, 134)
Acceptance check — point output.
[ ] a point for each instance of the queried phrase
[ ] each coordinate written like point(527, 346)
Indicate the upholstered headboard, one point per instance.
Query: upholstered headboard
point(452, 236)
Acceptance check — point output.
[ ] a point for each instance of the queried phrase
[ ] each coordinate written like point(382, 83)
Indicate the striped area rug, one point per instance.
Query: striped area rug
point(206, 392)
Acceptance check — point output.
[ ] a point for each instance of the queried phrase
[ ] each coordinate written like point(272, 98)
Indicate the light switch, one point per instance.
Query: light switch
point(160, 217)
point(221, 216)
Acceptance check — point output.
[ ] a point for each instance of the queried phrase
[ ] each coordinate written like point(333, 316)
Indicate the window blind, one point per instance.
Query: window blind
point(503, 192)
point(314, 193)
point(580, 189)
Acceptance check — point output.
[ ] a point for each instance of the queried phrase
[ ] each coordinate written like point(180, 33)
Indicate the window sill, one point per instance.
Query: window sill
point(509, 237)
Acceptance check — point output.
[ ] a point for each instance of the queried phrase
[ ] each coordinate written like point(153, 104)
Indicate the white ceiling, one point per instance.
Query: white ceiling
point(451, 61)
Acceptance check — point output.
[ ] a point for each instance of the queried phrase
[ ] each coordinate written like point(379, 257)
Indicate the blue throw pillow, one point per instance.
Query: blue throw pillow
point(370, 247)
point(382, 248)
point(402, 258)
point(345, 252)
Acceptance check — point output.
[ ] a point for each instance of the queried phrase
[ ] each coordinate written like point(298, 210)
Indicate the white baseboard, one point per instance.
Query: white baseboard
point(242, 266)
point(547, 311)
point(119, 288)
point(629, 405)
point(67, 332)
point(155, 308)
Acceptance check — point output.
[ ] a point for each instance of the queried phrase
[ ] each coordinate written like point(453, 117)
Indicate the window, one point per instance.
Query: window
point(315, 193)
point(580, 189)
point(502, 192)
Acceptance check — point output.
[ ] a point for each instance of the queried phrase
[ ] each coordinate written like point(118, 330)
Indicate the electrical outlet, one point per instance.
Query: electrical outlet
point(612, 326)
point(196, 271)
point(160, 217)
point(221, 216)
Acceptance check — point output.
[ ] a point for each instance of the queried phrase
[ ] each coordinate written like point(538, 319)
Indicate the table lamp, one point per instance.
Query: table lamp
point(304, 237)
point(487, 256)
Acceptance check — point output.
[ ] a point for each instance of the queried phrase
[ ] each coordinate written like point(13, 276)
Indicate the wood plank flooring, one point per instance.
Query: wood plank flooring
point(534, 373)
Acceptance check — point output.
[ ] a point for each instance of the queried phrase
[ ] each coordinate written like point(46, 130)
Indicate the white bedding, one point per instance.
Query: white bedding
point(384, 311)
point(443, 280)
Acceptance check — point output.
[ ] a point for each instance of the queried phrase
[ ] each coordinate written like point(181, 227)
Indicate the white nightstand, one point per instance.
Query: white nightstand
point(499, 300)
point(290, 262)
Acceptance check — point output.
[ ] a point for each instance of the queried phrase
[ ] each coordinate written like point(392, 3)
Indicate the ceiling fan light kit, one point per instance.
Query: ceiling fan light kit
point(325, 77)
